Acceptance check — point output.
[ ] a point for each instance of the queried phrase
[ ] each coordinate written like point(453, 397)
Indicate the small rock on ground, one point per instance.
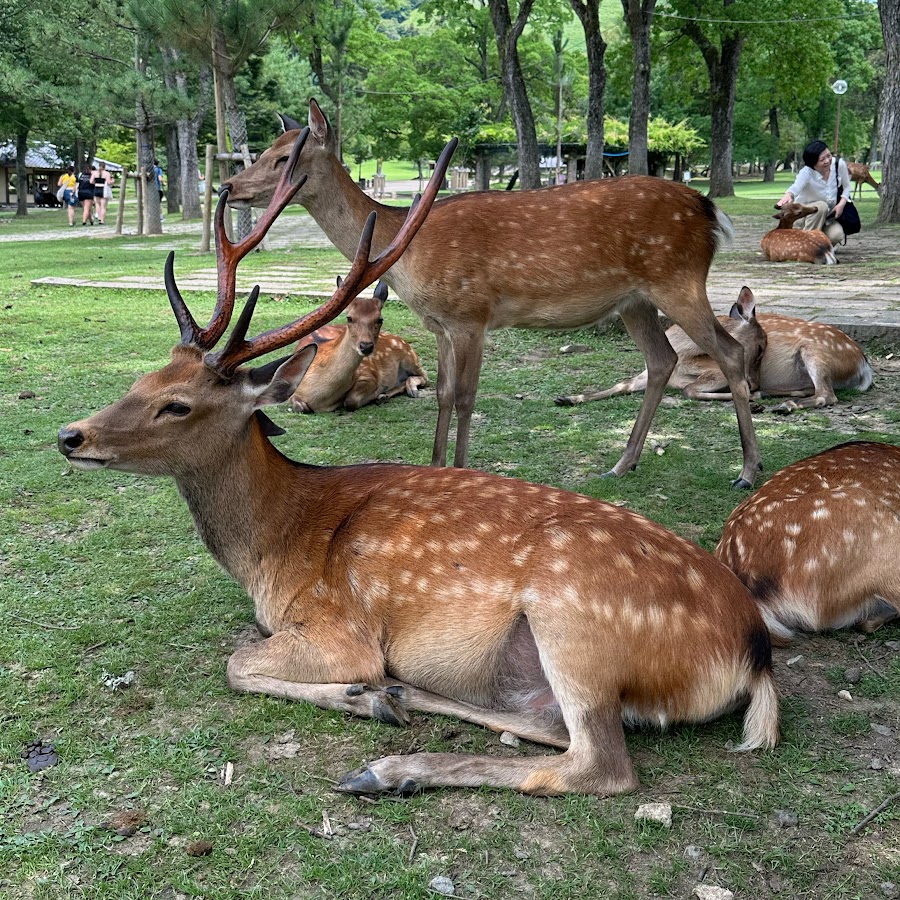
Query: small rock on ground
point(661, 813)
point(442, 885)
point(784, 818)
point(711, 892)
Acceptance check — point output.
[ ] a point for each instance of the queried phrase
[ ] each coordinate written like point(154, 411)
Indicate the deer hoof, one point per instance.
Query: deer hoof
point(571, 400)
point(388, 709)
point(782, 409)
point(361, 781)
point(741, 484)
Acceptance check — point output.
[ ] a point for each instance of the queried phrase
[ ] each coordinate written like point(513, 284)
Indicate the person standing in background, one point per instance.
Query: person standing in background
point(67, 181)
point(86, 194)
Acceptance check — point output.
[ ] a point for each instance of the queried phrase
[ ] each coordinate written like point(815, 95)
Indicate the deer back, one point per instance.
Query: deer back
point(784, 243)
point(817, 544)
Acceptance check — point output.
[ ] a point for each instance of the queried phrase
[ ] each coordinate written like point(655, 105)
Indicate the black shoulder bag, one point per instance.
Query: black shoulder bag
point(849, 218)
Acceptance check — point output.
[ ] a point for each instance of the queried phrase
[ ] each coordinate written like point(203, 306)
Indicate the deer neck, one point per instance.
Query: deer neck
point(340, 209)
point(237, 504)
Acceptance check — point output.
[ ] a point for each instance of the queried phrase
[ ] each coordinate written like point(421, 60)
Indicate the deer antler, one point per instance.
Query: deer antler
point(228, 256)
point(363, 272)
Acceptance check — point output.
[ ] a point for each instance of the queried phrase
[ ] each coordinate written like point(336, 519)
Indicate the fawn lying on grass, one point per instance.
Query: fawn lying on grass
point(788, 244)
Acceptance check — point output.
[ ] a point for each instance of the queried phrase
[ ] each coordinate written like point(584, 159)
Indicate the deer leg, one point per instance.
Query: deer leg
point(885, 610)
point(446, 395)
point(822, 393)
point(631, 386)
point(291, 667)
point(468, 351)
point(596, 762)
point(642, 323)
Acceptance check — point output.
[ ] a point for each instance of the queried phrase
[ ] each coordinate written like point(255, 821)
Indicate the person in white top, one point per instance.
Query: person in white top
point(817, 184)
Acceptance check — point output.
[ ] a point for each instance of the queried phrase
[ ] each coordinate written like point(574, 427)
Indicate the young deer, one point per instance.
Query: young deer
point(559, 257)
point(860, 175)
point(383, 589)
point(696, 375)
point(817, 544)
point(784, 243)
point(357, 364)
point(786, 357)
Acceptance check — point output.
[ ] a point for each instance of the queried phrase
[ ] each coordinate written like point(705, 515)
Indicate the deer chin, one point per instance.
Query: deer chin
point(87, 463)
point(238, 204)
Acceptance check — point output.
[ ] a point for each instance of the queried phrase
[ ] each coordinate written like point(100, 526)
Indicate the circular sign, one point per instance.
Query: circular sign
point(839, 87)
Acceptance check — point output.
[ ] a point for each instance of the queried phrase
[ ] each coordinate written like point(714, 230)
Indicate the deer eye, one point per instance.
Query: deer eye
point(380, 322)
point(174, 409)
point(349, 320)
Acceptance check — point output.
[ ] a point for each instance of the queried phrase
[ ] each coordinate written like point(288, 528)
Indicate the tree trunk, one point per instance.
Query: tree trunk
point(21, 171)
point(639, 17)
point(188, 129)
point(722, 67)
point(482, 171)
point(507, 34)
point(889, 210)
point(588, 12)
point(872, 154)
point(152, 222)
point(173, 173)
point(774, 141)
point(234, 118)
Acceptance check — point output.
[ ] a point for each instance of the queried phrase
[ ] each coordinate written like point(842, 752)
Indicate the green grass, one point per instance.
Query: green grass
point(103, 572)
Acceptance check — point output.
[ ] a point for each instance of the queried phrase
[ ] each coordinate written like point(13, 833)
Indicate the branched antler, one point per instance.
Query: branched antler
point(228, 256)
point(363, 272)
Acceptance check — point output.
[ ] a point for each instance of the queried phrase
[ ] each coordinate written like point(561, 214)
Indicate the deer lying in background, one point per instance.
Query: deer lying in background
point(383, 589)
point(785, 243)
point(817, 544)
point(860, 175)
point(357, 364)
point(787, 357)
point(696, 375)
point(533, 259)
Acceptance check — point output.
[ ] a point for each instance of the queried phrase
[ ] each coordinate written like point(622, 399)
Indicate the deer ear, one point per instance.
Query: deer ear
point(381, 293)
point(745, 307)
point(289, 124)
point(286, 378)
point(318, 124)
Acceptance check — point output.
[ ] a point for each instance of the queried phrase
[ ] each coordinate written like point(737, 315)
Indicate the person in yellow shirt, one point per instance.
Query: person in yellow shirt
point(67, 181)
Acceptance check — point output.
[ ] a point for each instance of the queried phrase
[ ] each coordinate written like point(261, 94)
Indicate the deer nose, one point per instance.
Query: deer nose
point(225, 187)
point(366, 347)
point(69, 440)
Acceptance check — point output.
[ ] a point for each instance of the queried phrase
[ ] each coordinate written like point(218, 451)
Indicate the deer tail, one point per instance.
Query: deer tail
point(723, 230)
point(761, 718)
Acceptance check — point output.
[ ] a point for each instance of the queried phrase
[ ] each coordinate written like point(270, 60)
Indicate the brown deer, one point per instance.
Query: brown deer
point(559, 257)
point(817, 544)
point(357, 363)
point(784, 243)
point(860, 175)
point(696, 375)
point(383, 589)
point(786, 357)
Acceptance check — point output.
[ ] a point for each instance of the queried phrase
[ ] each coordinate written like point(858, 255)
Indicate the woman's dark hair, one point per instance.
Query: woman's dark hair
point(86, 169)
point(71, 170)
point(812, 151)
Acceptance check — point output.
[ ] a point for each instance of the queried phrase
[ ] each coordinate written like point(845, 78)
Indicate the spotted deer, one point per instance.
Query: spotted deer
point(817, 544)
point(696, 375)
point(357, 363)
point(545, 258)
point(384, 589)
point(786, 357)
point(784, 243)
point(860, 175)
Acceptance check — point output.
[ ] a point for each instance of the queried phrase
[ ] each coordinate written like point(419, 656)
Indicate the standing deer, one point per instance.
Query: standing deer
point(696, 374)
point(357, 364)
point(784, 243)
point(382, 589)
point(817, 544)
point(786, 357)
point(860, 175)
point(558, 257)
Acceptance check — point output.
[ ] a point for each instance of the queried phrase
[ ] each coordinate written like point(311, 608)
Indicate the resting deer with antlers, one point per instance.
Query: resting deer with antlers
point(786, 357)
point(817, 544)
point(383, 589)
point(559, 257)
point(357, 363)
point(784, 243)
point(860, 175)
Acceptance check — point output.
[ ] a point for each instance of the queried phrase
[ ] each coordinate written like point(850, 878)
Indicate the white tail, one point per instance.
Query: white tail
point(696, 374)
point(817, 544)
point(784, 243)
point(383, 589)
point(559, 257)
point(860, 175)
point(357, 363)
